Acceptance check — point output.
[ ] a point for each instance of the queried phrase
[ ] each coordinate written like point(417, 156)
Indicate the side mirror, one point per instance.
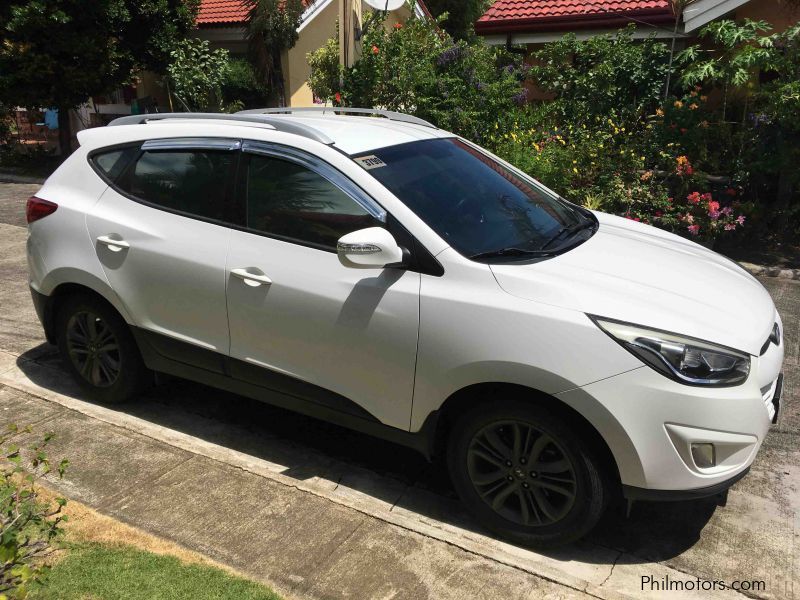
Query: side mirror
point(369, 248)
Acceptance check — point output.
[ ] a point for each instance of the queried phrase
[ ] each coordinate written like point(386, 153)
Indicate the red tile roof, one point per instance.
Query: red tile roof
point(507, 16)
point(223, 12)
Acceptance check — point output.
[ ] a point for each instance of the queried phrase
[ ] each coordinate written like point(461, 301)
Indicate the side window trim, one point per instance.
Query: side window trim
point(104, 176)
point(230, 200)
point(223, 144)
point(322, 169)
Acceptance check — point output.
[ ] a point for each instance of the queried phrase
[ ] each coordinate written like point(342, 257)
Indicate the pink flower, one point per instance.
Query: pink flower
point(740, 219)
point(706, 197)
point(689, 218)
point(694, 229)
point(694, 197)
point(730, 226)
point(726, 211)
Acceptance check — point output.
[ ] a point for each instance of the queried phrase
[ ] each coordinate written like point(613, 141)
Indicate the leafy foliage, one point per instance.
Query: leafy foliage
point(197, 73)
point(605, 74)
point(240, 87)
point(61, 52)
point(272, 29)
point(325, 71)
point(458, 16)
point(417, 68)
point(28, 526)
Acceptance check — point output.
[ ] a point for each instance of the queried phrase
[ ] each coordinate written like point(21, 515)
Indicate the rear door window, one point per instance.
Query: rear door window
point(194, 182)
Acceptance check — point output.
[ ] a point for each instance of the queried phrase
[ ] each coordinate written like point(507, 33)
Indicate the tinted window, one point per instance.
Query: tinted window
point(471, 200)
point(191, 181)
point(288, 200)
point(113, 163)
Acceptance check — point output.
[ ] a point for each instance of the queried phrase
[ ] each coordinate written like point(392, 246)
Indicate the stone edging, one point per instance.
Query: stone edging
point(771, 271)
point(6, 177)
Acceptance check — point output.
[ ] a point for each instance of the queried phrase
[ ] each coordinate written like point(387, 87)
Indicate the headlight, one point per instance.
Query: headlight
point(687, 360)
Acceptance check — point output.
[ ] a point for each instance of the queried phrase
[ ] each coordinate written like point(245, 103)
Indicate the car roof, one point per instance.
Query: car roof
point(349, 134)
point(358, 134)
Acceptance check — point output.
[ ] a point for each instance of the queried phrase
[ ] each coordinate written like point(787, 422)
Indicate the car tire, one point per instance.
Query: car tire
point(99, 350)
point(545, 489)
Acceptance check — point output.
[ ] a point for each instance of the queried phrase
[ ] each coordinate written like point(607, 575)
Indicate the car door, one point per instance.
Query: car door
point(300, 321)
point(160, 231)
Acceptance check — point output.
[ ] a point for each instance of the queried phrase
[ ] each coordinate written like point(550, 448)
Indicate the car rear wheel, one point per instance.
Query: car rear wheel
point(99, 350)
point(525, 475)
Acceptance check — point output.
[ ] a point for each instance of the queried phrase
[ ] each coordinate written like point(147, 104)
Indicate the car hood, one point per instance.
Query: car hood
point(643, 275)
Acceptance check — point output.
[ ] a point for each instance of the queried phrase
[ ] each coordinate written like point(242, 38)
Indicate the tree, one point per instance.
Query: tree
point(272, 29)
point(59, 53)
point(461, 15)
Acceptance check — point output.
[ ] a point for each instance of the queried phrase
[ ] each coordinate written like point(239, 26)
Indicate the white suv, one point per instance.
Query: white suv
point(385, 275)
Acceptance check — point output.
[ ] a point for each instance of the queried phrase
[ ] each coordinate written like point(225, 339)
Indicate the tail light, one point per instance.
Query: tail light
point(38, 209)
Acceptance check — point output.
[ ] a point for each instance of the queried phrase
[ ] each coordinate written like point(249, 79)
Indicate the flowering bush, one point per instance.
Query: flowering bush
point(705, 218)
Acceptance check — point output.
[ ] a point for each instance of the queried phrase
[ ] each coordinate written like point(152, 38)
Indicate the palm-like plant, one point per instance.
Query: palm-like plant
point(272, 28)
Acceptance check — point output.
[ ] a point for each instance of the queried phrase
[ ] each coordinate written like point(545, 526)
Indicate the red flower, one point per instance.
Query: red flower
point(659, 213)
point(693, 198)
point(398, 25)
point(338, 97)
point(684, 130)
point(688, 170)
point(713, 206)
point(730, 192)
point(375, 49)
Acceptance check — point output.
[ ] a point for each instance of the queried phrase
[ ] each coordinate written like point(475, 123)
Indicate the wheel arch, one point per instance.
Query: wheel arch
point(483, 393)
point(73, 282)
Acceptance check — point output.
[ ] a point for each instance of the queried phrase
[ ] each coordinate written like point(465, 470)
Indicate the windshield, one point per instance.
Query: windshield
point(481, 208)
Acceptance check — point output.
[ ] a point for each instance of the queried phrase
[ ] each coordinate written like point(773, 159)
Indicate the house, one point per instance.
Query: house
point(533, 22)
point(224, 24)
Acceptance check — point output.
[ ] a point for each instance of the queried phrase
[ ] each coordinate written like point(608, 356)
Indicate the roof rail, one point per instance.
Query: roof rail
point(388, 114)
point(278, 123)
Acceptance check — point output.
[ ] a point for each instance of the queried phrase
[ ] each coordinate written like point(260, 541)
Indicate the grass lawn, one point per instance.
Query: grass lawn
point(101, 572)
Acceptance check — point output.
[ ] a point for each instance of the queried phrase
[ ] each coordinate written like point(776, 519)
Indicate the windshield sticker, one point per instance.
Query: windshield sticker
point(370, 162)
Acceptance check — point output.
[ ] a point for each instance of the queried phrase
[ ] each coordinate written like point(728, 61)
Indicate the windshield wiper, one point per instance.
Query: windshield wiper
point(573, 229)
point(509, 252)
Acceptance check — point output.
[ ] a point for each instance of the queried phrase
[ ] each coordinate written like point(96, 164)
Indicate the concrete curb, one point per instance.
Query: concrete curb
point(6, 177)
point(764, 271)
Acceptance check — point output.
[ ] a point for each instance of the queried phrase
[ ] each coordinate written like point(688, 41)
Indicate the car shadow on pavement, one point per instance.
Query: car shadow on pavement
point(393, 474)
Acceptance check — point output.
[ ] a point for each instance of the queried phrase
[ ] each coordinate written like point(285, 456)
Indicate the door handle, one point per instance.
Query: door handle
point(251, 279)
point(113, 245)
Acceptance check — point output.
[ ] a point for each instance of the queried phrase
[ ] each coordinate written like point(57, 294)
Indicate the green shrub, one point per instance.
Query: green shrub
point(196, 73)
point(28, 525)
point(417, 68)
point(239, 86)
point(602, 76)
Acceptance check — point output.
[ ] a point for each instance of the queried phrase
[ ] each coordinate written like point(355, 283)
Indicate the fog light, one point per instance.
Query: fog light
point(703, 455)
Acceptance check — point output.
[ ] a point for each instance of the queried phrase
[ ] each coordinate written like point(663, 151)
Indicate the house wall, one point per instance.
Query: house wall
point(778, 13)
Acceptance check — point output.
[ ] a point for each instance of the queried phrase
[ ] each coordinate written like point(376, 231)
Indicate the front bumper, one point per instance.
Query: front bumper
point(651, 422)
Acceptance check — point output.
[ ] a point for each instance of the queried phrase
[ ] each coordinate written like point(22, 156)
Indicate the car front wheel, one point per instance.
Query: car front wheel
point(525, 475)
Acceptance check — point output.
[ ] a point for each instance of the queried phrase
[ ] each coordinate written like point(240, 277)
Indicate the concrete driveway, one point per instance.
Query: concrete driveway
point(319, 511)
